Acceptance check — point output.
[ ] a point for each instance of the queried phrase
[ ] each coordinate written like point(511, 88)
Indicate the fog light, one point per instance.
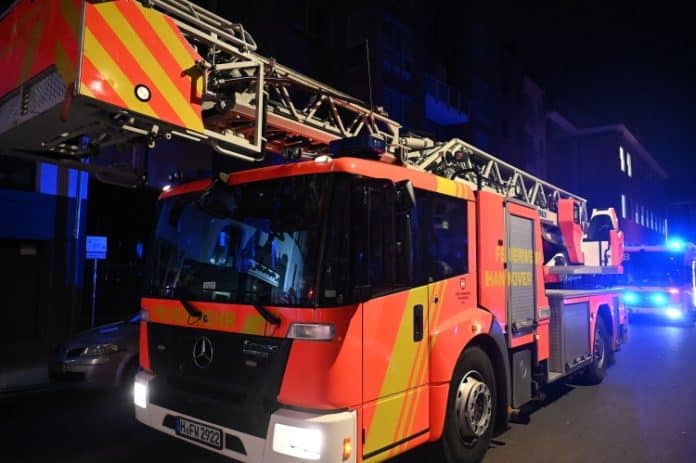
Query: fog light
point(297, 442)
point(140, 394)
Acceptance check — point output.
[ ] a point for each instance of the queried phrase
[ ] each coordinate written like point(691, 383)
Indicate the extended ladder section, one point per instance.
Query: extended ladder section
point(456, 159)
point(576, 245)
point(117, 72)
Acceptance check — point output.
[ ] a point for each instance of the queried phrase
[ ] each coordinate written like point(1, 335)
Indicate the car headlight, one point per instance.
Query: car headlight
point(297, 442)
point(99, 349)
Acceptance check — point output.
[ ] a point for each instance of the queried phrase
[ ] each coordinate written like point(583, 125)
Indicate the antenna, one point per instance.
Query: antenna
point(369, 74)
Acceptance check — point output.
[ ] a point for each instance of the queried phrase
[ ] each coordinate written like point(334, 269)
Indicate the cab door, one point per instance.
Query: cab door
point(395, 317)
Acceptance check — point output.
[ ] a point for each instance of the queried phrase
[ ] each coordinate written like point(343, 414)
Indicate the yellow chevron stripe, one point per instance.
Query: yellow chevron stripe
point(435, 319)
point(66, 68)
point(418, 365)
point(384, 422)
point(176, 48)
point(130, 38)
point(113, 74)
point(31, 49)
point(71, 14)
point(254, 324)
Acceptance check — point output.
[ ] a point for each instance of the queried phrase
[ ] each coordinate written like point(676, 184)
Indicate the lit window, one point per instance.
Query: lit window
point(636, 213)
point(628, 164)
point(622, 159)
point(623, 206)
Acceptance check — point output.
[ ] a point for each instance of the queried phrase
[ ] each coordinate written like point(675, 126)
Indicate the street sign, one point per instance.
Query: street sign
point(96, 247)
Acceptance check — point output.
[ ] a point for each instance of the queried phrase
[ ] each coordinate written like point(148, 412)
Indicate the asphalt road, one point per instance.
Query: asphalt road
point(643, 412)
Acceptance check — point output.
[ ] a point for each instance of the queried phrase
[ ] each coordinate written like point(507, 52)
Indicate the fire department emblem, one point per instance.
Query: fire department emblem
point(462, 283)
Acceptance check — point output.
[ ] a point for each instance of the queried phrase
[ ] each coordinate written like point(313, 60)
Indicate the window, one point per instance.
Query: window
point(628, 164)
point(623, 206)
point(441, 241)
point(398, 53)
point(636, 213)
point(17, 174)
point(622, 159)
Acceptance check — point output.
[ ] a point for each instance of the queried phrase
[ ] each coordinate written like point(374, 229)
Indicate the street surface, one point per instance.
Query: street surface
point(643, 412)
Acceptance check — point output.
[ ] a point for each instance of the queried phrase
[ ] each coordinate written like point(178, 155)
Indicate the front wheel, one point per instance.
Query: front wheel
point(471, 409)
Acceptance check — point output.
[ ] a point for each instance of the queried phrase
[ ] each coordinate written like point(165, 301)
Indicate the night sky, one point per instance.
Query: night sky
point(620, 62)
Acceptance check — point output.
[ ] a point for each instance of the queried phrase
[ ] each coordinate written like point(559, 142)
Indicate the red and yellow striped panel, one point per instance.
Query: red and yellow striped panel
point(37, 35)
point(126, 45)
point(395, 373)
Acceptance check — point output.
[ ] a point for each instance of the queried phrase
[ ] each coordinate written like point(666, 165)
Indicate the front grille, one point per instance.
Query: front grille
point(237, 390)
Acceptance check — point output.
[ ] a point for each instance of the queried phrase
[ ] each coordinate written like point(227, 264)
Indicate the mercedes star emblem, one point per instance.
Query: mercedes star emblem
point(203, 352)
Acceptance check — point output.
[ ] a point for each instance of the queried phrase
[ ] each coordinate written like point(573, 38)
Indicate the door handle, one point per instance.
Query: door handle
point(417, 323)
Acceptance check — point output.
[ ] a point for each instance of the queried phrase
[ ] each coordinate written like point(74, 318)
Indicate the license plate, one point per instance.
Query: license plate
point(199, 432)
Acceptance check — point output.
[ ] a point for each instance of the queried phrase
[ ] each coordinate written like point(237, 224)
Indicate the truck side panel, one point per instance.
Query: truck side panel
point(36, 36)
point(127, 46)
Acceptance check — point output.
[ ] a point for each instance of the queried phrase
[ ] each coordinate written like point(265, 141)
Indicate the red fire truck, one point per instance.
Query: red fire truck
point(370, 293)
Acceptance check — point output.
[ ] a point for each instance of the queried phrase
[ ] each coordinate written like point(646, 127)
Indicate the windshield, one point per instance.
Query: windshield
point(656, 268)
point(255, 243)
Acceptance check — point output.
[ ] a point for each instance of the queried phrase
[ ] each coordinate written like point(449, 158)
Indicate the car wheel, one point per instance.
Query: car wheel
point(471, 409)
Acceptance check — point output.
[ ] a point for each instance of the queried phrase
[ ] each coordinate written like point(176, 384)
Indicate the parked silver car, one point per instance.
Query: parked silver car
point(102, 357)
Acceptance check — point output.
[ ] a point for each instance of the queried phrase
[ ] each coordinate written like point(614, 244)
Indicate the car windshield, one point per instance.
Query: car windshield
point(255, 243)
point(655, 268)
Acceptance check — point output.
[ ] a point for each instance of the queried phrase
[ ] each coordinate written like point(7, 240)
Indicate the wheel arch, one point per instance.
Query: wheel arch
point(604, 313)
point(494, 345)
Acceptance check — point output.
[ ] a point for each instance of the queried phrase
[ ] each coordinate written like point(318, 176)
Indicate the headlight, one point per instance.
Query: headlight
point(297, 442)
point(673, 313)
point(99, 349)
point(312, 331)
point(140, 394)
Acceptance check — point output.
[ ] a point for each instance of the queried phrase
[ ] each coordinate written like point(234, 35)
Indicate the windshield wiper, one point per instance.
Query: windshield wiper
point(194, 312)
point(267, 315)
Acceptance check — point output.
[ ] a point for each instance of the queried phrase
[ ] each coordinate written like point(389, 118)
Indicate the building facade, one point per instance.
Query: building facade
point(610, 167)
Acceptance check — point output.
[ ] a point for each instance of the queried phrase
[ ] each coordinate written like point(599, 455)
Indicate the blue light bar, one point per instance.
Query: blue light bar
point(676, 244)
point(629, 297)
point(658, 298)
point(361, 146)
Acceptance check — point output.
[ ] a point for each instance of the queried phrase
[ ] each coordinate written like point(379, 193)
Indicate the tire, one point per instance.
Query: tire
point(594, 374)
point(471, 409)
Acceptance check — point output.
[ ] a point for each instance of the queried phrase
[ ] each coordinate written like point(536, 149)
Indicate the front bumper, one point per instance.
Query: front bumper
point(97, 372)
point(672, 312)
point(334, 430)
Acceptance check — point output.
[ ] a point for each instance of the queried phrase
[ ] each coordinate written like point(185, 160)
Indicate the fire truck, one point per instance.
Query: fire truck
point(660, 280)
point(373, 292)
